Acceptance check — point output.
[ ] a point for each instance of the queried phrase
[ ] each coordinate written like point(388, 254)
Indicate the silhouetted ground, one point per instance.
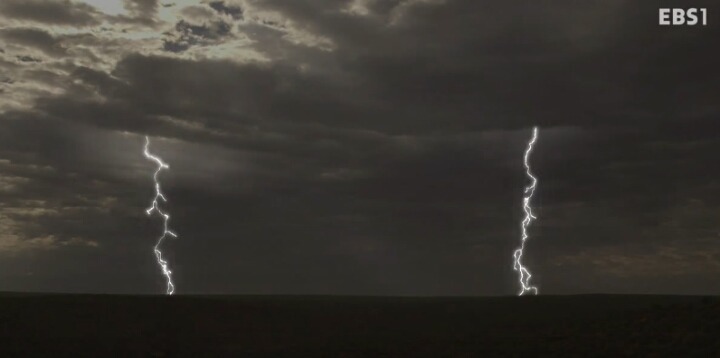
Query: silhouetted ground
point(310, 326)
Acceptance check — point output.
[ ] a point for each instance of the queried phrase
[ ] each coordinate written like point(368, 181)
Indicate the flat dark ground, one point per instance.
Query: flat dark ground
point(310, 326)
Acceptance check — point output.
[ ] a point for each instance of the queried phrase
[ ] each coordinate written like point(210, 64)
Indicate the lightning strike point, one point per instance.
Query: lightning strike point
point(523, 272)
point(155, 208)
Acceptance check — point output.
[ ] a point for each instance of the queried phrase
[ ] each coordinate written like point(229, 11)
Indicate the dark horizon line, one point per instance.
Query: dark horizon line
point(205, 295)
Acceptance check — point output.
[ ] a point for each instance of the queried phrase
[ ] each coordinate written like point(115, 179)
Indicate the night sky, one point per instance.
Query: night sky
point(369, 147)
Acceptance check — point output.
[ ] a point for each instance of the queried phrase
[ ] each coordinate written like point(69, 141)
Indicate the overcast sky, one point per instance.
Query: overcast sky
point(358, 147)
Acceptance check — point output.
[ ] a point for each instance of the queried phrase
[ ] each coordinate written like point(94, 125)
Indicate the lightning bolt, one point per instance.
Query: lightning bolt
point(155, 207)
point(524, 273)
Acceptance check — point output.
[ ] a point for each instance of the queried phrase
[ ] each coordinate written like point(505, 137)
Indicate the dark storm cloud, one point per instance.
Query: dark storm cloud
point(564, 65)
point(187, 35)
point(429, 72)
point(35, 38)
point(26, 58)
point(64, 205)
point(52, 12)
point(176, 45)
point(235, 12)
point(378, 150)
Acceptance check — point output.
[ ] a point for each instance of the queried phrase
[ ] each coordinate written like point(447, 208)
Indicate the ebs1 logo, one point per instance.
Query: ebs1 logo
point(676, 16)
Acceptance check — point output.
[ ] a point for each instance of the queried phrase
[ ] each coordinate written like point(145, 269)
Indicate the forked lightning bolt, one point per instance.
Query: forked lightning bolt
point(155, 207)
point(523, 272)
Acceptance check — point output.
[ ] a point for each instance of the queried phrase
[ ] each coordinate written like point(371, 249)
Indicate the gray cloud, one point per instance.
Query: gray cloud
point(235, 12)
point(35, 38)
point(52, 12)
point(26, 58)
point(187, 35)
point(142, 8)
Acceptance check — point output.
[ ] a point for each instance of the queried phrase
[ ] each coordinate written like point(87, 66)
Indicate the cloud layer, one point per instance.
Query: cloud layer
point(367, 146)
